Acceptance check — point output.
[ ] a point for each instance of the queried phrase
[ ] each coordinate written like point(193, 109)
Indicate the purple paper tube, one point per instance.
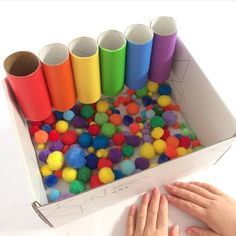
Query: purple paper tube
point(163, 48)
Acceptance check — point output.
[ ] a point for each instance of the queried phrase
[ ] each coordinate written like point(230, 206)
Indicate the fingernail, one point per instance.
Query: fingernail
point(146, 196)
point(177, 228)
point(189, 232)
point(132, 209)
point(155, 191)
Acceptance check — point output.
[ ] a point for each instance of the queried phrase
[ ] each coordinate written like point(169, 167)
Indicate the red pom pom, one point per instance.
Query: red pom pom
point(69, 137)
point(33, 129)
point(134, 128)
point(58, 173)
point(50, 120)
point(184, 141)
point(170, 152)
point(103, 162)
point(94, 181)
point(166, 134)
point(138, 119)
point(131, 92)
point(53, 135)
point(118, 139)
point(94, 130)
point(65, 149)
point(36, 123)
point(195, 143)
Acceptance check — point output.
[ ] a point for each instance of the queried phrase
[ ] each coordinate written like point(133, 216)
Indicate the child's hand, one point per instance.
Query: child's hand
point(151, 219)
point(206, 203)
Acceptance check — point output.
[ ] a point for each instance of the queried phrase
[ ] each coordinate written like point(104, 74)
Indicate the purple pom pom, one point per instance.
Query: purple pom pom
point(43, 155)
point(170, 117)
point(79, 122)
point(56, 146)
point(133, 140)
point(141, 163)
point(115, 155)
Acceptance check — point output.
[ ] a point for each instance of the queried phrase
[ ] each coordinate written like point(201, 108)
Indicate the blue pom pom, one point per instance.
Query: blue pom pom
point(50, 180)
point(100, 141)
point(146, 100)
point(115, 111)
point(53, 195)
point(162, 158)
point(127, 167)
point(59, 115)
point(85, 140)
point(75, 157)
point(164, 89)
point(127, 120)
point(118, 174)
point(178, 136)
point(68, 115)
point(92, 161)
point(46, 127)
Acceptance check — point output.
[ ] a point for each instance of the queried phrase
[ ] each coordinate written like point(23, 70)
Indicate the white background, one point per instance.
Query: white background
point(207, 28)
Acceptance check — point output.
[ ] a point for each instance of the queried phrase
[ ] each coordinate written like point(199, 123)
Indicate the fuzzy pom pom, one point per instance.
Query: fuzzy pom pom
point(133, 140)
point(146, 100)
point(169, 117)
point(185, 142)
point(127, 167)
point(56, 146)
point(94, 129)
point(164, 89)
point(85, 140)
point(53, 195)
point(87, 111)
point(157, 133)
point(84, 174)
point(162, 158)
point(68, 115)
point(54, 135)
point(106, 175)
point(69, 137)
point(172, 141)
point(157, 121)
point(118, 174)
point(108, 129)
point(147, 151)
point(134, 128)
point(141, 92)
point(164, 100)
point(181, 151)
point(171, 152)
point(91, 161)
point(43, 155)
point(100, 141)
point(101, 118)
point(75, 157)
point(132, 108)
point(69, 174)
point(79, 122)
point(127, 150)
point(45, 170)
point(50, 180)
point(152, 86)
point(104, 163)
point(102, 106)
point(159, 146)
point(94, 181)
point(41, 137)
point(115, 119)
point(141, 163)
point(77, 186)
point(118, 139)
point(127, 120)
point(55, 160)
point(61, 126)
point(115, 155)
point(46, 127)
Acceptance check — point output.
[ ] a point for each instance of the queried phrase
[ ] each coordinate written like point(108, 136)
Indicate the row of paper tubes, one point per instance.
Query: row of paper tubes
point(87, 68)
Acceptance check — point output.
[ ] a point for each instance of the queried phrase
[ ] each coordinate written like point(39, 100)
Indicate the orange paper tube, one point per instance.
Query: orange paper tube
point(24, 72)
point(59, 77)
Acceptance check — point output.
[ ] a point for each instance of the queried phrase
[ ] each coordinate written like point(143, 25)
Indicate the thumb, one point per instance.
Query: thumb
point(197, 231)
point(174, 231)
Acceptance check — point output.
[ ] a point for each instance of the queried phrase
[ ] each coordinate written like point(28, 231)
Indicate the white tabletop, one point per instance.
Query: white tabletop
point(208, 31)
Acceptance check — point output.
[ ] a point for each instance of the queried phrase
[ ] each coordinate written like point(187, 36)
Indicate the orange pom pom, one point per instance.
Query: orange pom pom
point(132, 108)
point(172, 141)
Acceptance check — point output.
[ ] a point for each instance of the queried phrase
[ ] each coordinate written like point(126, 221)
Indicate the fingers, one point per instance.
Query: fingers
point(174, 231)
point(196, 231)
point(188, 207)
point(131, 221)
point(182, 193)
point(209, 187)
point(195, 189)
point(153, 209)
point(162, 219)
point(142, 214)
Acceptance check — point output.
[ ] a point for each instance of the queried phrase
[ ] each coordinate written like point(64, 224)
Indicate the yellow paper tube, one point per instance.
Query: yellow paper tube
point(85, 65)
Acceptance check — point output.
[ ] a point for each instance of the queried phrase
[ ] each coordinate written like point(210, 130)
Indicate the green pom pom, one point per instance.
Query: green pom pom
point(108, 129)
point(84, 174)
point(185, 131)
point(197, 148)
point(192, 136)
point(158, 111)
point(182, 126)
point(143, 120)
point(157, 121)
point(87, 111)
point(77, 186)
point(141, 92)
point(110, 100)
point(127, 150)
point(118, 129)
point(101, 118)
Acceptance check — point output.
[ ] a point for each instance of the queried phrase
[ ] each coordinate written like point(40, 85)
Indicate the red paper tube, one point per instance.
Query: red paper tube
point(25, 75)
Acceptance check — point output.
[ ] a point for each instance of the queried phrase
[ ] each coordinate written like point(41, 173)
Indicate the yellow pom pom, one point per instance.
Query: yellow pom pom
point(45, 170)
point(91, 149)
point(159, 146)
point(55, 160)
point(41, 146)
point(141, 125)
point(102, 106)
point(92, 123)
point(152, 86)
point(164, 101)
point(189, 150)
point(149, 94)
point(153, 165)
point(61, 126)
point(157, 132)
point(106, 175)
point(181, 151)
point(139, 134)
point(102, 153)
point(147, 151)
point(69, 174)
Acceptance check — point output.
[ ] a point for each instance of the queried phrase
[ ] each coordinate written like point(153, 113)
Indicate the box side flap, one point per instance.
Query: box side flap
point(201, 106)
point(25, 147)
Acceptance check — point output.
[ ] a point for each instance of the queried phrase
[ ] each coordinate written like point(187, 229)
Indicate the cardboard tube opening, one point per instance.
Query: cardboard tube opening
point(164, 26)
point(21, 63)
point(139, 34)
point(111, 40)
point(83, 47)
point(54, 54)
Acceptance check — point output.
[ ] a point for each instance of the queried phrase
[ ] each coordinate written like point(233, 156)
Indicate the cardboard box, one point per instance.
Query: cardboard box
point(202, 109)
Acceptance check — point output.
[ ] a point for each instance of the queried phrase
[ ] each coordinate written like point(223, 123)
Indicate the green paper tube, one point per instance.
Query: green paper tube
point(112, 49)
